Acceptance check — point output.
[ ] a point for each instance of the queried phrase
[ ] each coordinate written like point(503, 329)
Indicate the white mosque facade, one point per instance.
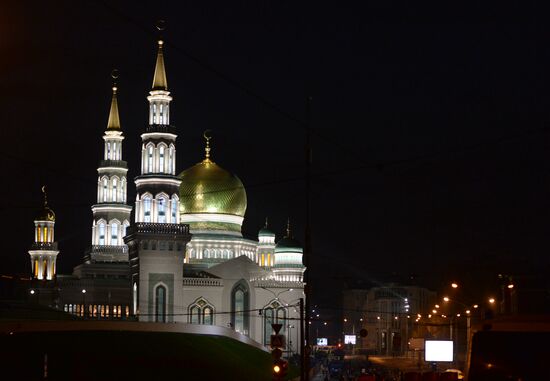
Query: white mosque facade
point(181, 256)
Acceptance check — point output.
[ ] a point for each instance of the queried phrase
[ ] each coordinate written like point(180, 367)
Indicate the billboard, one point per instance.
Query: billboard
point(350, 339)
point(322, 341)
point(438, 350)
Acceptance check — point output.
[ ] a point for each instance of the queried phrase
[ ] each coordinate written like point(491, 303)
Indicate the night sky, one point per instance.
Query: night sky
point(430, 141)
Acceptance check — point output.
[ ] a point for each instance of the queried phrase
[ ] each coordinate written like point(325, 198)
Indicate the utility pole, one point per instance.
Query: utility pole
point(307, 246)
point(302, 342)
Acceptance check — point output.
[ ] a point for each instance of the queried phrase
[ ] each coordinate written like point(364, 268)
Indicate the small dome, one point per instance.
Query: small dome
point(288, 243)
point(46, 214)
point(265, 232)
point(208, 188)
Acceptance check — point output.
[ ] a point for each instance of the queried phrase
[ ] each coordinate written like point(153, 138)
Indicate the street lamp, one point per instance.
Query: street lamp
point(84, 302)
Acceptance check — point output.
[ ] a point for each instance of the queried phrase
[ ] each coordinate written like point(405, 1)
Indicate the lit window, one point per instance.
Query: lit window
point(114, 195)
point(147, 209)
point(101, 240)
point(174, 210)
point(114, 234)
point(170, 159)
point(161, 158)
point(115, 156)
point(160, 304)
point(162, 211)
point(108, 151)
point(105, 189)
point(207, 316)
point(150, 159)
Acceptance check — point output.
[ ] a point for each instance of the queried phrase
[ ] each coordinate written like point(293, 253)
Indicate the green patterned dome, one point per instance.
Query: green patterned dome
point(208, 188)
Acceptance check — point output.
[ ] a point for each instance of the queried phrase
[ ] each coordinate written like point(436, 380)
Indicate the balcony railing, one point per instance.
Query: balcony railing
point(202, 282)
point(109, 249)
point(113, 163)
point(44, 246)
point(160, 128)
point(158, 228)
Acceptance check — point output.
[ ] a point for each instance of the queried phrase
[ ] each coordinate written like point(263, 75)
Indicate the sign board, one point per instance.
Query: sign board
point(350, 339)
point(277, 341)
point(438, 350)
point(416, 343)
point(276, 327)
point(322, 341)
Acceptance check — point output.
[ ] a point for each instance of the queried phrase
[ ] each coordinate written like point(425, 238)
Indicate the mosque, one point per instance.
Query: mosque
point(179, 255)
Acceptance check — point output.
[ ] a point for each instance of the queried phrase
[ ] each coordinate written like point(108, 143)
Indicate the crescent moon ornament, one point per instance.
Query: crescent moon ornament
point(44, 189)
point(160, 25)
point(115, 74)
point(207, 136)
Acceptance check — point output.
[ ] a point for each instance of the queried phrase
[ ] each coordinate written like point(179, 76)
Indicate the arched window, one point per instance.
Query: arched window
point(274, 312)
point(105, 190)
point(161, 158)
point(135, 295)
point(195, 312)
point(114, 194)
point(174, 210)
point(150, 159)
point(146, 209)
point(115, 153)
point(125, 225)
point(108, 151)
point(101, 234)
point(160, 304)
point(207, 317)
point(114, 233)
point(268, 320)
point(201, 312)
point(155, 117)
point(123, 190)
point(161, 203)
point(239, 307)
point(170, 159)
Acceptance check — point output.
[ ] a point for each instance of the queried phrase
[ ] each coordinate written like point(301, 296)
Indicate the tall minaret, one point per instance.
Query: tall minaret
point(111, 212)
point(44, 251)
point(157, 240)
point(158, 186)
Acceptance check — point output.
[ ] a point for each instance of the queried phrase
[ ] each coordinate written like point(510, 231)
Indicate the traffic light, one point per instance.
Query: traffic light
point(280, 368)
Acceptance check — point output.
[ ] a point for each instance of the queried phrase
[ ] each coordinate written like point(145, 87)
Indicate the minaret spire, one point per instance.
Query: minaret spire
point(114, 119)
point(111, 213)
point(45, 196)
point(288, 228)
point(159, 79)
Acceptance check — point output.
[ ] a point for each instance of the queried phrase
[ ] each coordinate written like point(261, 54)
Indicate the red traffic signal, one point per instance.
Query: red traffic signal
point(280, 368)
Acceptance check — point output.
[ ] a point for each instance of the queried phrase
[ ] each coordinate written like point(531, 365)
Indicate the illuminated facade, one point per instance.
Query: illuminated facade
point(182, 258)
point(111, 214)
point(44, 251)
point(189, 262)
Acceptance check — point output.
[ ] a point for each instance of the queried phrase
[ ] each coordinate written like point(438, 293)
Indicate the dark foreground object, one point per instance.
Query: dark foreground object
point(123, 355)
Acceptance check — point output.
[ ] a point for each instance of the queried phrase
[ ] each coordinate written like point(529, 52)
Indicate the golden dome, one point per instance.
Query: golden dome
point(46, 214)
point(208, 188)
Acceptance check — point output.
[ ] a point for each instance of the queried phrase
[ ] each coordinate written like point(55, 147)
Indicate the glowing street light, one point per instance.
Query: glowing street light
point(434, 311)
point(476, 306)
point(32, 292)
point(437, 306)
point(510, 286)
point(492, 300)
point(454, 285)
point(446, 299)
